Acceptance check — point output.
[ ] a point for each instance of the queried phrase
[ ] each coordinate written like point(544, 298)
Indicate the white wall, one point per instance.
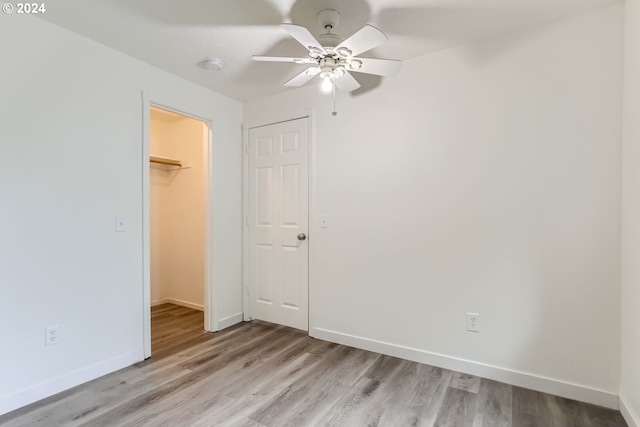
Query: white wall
point(630, 384)
point(70, 140)
point(484, 179)
point(177, 211)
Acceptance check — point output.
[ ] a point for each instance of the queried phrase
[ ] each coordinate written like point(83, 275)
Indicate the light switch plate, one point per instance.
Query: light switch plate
point(324, 221)
point(121, 224)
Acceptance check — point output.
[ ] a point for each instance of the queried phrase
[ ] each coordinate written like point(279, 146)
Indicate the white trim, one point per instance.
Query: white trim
point(211, 301)
point(211, 305)
point(187, 304)
point(146, 230)
point(314, 227)
point(629, 415)
point(234, 319)
point(522, 379)
point(64, 382)
point(245, 226)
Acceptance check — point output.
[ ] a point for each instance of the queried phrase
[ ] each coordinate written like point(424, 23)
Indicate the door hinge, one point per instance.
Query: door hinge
point(246, 219)
point(246, 150)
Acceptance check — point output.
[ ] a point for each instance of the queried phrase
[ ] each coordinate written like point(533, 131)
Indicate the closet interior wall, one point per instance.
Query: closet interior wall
point(177, 210)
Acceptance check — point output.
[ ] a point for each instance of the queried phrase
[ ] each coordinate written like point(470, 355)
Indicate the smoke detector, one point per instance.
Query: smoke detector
point(214, 64)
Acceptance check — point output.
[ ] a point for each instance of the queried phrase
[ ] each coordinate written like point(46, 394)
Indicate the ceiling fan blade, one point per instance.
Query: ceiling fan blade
point(379, 67)
point(283, 59)
point(304, 37)
point(366, 38)
point(346, 83)
point(302, 78)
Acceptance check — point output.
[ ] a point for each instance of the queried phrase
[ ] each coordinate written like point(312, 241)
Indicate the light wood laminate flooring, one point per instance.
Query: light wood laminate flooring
point(260, 374)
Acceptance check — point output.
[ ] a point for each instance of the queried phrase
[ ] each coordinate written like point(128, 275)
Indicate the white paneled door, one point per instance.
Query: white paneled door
point(279, 223)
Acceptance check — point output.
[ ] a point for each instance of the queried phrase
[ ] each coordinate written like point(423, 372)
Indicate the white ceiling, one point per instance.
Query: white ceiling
point(176, 35)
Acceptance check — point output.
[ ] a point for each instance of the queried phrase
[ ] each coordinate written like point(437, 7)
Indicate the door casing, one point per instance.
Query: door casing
point(210, 307)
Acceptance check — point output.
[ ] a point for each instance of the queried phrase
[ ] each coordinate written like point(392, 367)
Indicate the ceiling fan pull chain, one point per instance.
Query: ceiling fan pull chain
point(335, 113)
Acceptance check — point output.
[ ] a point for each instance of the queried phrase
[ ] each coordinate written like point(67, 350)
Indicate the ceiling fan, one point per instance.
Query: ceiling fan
point(332, 58)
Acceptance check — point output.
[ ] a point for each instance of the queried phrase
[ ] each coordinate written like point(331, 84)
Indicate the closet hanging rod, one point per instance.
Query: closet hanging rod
point(165, 161)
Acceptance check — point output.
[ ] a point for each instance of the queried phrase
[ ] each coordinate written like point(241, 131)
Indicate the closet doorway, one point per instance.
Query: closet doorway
point(178, 211)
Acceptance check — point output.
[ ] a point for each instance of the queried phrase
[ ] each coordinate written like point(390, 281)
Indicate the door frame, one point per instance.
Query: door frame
point(210, 290)
point(245, 212)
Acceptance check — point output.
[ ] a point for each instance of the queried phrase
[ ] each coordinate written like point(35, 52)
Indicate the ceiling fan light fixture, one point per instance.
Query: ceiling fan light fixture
point(315, 53)
point(327, 84)
point(354, 65)
point(343, 52)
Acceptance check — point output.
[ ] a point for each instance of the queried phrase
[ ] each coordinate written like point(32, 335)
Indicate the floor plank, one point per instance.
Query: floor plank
point(458, 409)
point(263, 375)
point(465, 382)
point(494, 404)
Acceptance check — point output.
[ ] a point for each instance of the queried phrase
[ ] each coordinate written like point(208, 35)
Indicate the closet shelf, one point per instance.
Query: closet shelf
point(167, 163)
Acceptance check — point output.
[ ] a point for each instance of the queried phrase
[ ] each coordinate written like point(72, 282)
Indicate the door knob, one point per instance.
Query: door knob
point(302, 236)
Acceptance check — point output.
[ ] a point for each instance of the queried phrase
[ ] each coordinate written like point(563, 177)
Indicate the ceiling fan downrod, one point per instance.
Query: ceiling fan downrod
point(328, 19)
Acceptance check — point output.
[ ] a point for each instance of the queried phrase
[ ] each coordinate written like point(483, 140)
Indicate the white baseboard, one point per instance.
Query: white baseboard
point(629, 415)
point(177, 302)
point(521, 379)
point(230, 321)
point(26, 396)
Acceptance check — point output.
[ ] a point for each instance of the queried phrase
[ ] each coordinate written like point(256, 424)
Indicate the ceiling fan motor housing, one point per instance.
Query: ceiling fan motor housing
point(329, 41)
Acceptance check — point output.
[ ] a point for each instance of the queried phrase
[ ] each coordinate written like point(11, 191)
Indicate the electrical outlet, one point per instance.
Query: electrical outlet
point(51, 335)
point(473, 322)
